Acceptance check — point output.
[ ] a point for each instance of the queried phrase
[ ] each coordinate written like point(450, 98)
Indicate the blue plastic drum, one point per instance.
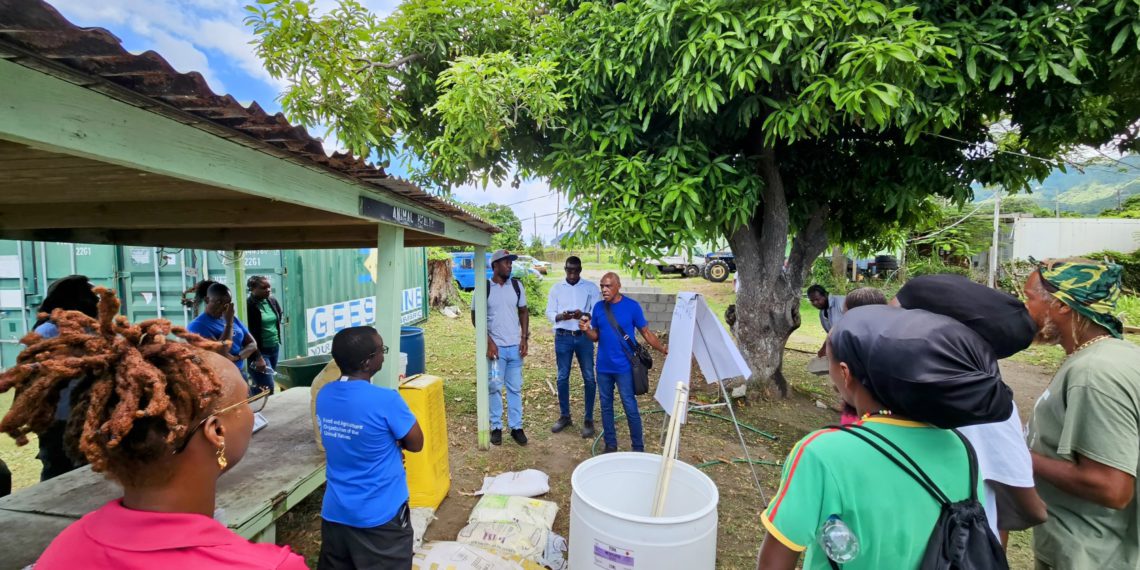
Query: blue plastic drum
point(412, 344)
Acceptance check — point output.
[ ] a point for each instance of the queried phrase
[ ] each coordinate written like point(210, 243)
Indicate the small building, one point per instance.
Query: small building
point(1043, 238)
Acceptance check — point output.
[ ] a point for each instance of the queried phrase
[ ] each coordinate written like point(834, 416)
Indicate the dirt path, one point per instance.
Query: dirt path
point(1027, 381)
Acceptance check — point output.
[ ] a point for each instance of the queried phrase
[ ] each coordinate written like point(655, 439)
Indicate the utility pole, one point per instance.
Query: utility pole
point(995, 249)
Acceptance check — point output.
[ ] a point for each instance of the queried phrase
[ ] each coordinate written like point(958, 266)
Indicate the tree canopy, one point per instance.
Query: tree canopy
point(504, 217)
point(672, 122)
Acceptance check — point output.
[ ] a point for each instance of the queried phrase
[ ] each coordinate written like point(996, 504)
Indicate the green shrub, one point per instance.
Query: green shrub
point(1128, 309)
point(935, 266)
point(821, 275)
point(535, 296)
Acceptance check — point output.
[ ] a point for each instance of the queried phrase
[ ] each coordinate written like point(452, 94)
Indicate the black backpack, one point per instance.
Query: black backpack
point(962, 538)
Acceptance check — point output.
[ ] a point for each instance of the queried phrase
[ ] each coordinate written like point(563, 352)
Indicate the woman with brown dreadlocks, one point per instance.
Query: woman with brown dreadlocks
point(161, 417)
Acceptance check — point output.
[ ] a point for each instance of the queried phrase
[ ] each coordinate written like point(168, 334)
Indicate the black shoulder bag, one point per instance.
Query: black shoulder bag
point(961, 539)
point(640, 361)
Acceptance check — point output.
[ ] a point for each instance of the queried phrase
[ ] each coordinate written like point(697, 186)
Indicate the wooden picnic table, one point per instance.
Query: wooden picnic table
point(281, 468)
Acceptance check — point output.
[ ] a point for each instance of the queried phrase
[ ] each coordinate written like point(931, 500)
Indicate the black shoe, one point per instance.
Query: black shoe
point(588, 429)
point(496, 437)
point(519, 436)
point(609, 449)
point(562, 423)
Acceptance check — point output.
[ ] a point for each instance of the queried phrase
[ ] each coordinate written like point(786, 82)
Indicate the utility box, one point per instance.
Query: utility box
point(429, 472)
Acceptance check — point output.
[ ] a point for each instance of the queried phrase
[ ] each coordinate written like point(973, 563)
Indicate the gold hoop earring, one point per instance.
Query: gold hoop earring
point(222, 456)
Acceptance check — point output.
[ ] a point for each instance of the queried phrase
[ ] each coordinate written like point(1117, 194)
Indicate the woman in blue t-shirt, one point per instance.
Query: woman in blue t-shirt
point(613, 363)
point(365, 520)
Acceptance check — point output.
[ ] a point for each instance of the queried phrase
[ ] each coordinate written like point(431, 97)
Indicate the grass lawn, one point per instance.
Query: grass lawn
point(21, 460)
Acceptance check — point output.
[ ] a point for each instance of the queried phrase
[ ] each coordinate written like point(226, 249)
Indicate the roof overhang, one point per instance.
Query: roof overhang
point(86, 159)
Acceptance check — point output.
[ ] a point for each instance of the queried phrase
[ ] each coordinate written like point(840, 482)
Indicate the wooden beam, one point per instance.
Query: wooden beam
point(50, 113)
point(307, 237)
point(167, 215)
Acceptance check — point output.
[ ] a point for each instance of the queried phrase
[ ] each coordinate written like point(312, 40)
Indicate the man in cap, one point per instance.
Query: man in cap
point(1084, 434)
point(508, 332)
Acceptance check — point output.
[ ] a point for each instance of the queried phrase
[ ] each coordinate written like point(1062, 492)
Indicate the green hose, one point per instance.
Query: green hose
point(740, 460)
point(594, 447)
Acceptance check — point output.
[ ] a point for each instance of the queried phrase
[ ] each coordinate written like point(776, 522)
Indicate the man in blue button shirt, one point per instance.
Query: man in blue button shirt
point(365, 518)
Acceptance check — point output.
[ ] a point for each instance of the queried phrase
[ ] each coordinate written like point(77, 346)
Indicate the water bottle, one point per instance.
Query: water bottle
point(837, 541)
point(494, 370)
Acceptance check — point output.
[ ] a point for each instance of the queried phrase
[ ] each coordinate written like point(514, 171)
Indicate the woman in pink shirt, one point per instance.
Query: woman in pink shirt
point(162, 418)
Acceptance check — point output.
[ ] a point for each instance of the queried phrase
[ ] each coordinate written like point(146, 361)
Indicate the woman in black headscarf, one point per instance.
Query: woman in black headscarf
point(1004, 323)
point(909, 374)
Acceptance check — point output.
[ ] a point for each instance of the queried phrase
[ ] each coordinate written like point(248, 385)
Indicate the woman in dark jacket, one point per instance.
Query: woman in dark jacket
point(263, 313)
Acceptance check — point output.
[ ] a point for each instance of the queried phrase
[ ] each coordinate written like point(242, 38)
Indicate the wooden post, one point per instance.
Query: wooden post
point(236, 272)
point(389, 269)
point(995, 249)
point(479, 298)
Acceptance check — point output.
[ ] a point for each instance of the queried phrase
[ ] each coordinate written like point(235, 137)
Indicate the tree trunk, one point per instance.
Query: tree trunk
point(838, 264)
point(441, 284)
point(768, 306)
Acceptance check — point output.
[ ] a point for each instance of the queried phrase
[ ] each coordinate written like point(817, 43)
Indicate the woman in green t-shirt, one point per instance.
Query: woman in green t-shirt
point(264, 315)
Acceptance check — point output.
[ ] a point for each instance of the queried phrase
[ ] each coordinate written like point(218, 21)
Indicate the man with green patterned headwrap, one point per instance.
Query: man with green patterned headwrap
point(1084, 434)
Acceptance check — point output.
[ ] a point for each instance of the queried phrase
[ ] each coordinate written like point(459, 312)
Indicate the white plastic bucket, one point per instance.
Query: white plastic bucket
point(403, 364)
point(610, 524)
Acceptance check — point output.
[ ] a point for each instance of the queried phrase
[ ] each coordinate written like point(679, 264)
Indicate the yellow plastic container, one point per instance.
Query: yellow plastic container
point(429, 472)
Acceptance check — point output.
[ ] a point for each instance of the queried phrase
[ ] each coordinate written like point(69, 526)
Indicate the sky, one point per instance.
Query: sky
point(209, 36)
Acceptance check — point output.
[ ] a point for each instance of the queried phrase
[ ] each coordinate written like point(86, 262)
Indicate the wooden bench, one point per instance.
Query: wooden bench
point(280, 469)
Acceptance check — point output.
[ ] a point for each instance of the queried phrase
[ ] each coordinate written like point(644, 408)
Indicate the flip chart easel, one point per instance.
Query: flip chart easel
point(695, 331)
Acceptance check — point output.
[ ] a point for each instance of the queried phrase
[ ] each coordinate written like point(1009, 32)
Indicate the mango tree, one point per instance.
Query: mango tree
point(672, 122)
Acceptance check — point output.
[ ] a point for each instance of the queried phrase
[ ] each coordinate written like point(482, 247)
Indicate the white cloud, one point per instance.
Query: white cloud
point(184, 32)
point(234, 42)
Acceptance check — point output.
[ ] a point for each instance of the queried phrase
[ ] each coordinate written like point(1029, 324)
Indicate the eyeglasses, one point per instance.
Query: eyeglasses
point(256, 404)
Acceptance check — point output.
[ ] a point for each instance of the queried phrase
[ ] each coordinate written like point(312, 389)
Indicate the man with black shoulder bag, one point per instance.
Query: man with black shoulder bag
point(622, 362)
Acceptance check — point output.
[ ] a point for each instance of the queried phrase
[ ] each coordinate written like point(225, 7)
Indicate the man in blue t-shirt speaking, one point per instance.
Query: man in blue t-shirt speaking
point(365, 518)
point(613, 363)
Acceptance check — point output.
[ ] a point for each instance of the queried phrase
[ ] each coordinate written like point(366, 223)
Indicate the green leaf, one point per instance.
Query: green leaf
point(1064, 73)
point(972, 69)
point(1121, 36)
point(995, 79)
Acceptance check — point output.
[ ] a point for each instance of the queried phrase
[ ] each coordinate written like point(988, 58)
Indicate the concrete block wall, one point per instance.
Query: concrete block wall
point(658, 306)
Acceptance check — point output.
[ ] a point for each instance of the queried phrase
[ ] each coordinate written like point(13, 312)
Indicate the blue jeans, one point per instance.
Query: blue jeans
point(624, 383)
point(262, 380)
point(566, 347)
point(510, 375)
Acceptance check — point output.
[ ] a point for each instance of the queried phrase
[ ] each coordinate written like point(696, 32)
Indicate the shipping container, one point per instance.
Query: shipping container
point(321, 291)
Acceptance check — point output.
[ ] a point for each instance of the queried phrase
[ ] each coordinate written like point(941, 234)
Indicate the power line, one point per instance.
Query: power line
point(1050, 161)
point(963, 219)
point(529, 199)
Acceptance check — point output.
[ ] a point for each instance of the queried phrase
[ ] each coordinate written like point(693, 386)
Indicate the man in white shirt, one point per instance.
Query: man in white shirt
point(565, 305)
